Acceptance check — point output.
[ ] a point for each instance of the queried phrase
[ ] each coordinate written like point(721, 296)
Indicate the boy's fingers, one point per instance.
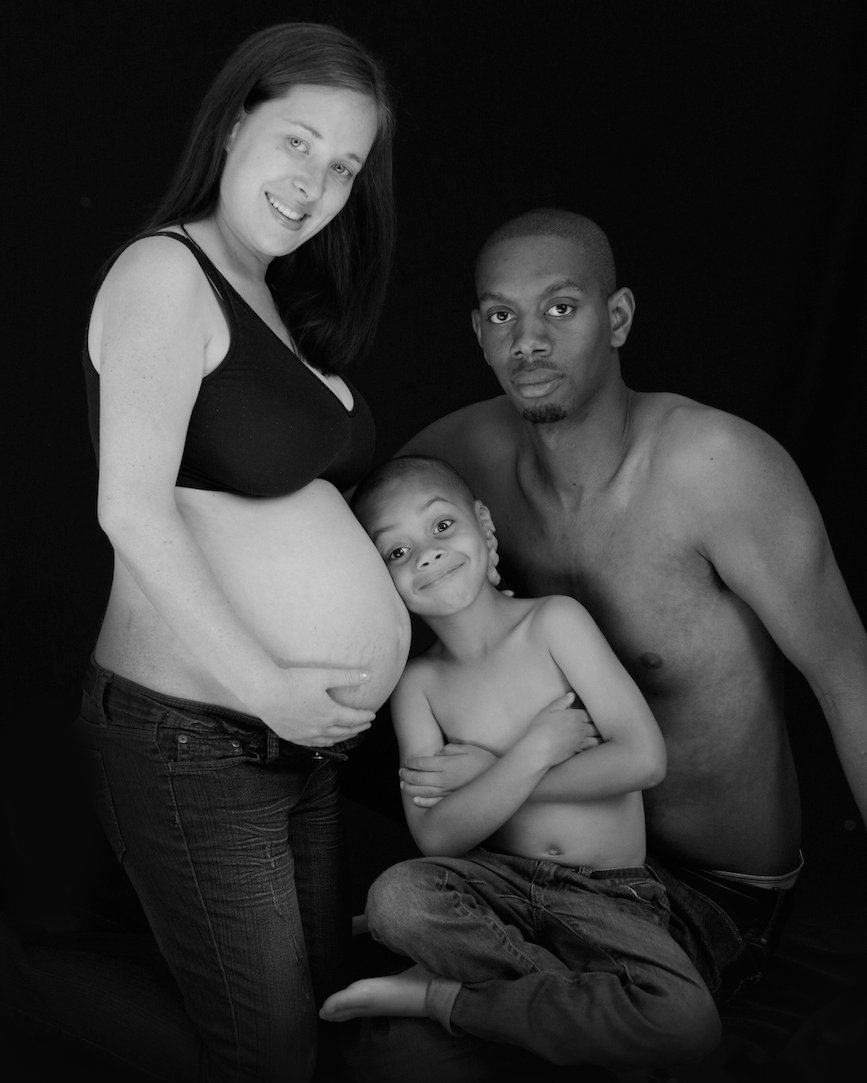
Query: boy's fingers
point(419, 778)
point(423, 763)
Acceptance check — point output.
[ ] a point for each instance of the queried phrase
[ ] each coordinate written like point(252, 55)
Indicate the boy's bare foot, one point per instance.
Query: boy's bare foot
point(394, 994)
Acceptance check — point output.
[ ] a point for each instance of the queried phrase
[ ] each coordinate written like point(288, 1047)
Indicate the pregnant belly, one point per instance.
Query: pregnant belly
point(305, 578)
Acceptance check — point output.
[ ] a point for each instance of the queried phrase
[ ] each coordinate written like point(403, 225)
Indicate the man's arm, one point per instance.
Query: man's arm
point(764, 535)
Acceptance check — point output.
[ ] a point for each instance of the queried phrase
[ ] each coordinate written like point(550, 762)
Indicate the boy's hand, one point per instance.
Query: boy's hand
point(428, 779)
point(562, 730)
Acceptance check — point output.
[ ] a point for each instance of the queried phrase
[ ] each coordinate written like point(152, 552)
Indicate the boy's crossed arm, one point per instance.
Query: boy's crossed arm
point(471, 814)
point(631, 757)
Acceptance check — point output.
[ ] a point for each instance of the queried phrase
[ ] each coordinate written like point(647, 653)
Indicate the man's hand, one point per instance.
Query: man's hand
point(428, 779)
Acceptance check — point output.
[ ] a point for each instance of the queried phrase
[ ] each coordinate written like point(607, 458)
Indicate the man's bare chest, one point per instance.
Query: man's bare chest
point(657, 600)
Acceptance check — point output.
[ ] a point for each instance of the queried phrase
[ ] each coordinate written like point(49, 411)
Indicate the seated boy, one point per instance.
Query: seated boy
point(533, 921)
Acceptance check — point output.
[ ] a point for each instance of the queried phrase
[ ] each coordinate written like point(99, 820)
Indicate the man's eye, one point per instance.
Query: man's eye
point(443, 525)
point(397, 554)
point(560, 309)
point(499, 317)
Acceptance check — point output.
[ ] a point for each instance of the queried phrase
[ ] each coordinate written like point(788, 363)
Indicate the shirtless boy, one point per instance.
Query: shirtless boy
point(559, 942)
point(694, 543)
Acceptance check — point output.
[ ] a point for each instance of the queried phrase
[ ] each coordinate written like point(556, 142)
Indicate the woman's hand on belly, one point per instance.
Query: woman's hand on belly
point(297, 705)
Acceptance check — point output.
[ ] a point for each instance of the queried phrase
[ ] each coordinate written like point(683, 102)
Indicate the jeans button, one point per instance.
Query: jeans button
point(182, 740)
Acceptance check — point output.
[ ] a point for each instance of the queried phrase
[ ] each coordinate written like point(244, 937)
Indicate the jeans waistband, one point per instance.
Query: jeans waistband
point(98, 682)
point(721, 886)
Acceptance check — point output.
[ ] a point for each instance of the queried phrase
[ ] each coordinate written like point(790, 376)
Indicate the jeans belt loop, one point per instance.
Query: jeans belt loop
point(100, 689)
point(272, 746)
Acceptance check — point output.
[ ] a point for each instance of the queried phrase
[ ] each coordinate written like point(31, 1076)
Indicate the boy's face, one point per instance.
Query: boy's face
point(432, 542)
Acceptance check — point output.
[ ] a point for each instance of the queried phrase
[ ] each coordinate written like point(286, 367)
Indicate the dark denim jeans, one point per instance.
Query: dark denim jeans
point(574, 965)
point(233, 842)
point(728, 931)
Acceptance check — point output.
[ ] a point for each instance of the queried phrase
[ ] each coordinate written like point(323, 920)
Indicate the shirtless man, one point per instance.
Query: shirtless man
point(693, 541)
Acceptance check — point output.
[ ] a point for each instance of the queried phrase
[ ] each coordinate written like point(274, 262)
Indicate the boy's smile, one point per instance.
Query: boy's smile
point(433, 545)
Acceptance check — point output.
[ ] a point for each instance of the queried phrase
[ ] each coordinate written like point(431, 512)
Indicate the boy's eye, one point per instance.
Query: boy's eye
point(501, 316)
point(561, 308)
point(397, 554)
point(442, 525)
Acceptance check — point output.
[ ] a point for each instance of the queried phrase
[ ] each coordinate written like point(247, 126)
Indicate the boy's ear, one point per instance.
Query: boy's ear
point(490, 533)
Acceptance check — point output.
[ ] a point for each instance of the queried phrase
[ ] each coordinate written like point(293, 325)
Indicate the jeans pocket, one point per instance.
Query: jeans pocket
point(103, 801)
point(198, 743)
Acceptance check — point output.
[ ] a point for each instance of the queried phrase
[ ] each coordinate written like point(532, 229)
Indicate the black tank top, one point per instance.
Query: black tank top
point(263, 424)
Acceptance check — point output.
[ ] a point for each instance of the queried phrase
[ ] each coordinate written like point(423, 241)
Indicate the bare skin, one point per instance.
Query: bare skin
point(489, 680)
point(403, 994)
point(687, 533)
point(278, 607)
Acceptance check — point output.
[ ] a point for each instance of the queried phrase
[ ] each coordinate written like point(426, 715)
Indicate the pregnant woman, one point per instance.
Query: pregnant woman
point(252, 629)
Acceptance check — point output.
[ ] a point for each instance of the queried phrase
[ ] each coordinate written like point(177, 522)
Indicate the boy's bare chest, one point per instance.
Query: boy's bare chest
point(492, 702)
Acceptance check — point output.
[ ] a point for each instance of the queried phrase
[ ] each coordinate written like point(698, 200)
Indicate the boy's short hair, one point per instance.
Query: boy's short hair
point(411, 468)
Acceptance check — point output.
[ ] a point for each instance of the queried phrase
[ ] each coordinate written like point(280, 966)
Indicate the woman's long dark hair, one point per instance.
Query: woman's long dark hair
point(330, 290)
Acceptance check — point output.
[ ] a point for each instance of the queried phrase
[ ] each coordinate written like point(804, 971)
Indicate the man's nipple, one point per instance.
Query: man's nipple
point(651, 660)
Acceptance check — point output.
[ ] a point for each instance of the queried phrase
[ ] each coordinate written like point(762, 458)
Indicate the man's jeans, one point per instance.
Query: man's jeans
point(233, 842)
point(728, 929)
point(574, 965)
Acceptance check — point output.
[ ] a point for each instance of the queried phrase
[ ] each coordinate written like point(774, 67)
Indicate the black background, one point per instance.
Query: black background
point(721, 144)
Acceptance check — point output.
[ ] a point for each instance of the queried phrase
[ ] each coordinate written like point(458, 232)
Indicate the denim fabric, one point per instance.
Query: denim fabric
point(728, 929)
point(574, 965)
point(233, 842)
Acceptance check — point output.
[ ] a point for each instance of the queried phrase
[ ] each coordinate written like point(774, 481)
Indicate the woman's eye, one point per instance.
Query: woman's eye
point(561, 309)
point(499, 317)
point(297, 143)
point(443, 525)
point(343, 171)
point(397, 554)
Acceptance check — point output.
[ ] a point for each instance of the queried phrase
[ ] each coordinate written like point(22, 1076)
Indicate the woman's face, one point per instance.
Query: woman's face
point(290, 166)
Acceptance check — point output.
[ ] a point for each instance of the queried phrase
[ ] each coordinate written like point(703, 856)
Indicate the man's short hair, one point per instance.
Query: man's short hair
point(553, 222)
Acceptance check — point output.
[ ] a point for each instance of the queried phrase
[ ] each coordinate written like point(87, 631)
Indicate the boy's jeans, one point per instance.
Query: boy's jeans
point(574, 965)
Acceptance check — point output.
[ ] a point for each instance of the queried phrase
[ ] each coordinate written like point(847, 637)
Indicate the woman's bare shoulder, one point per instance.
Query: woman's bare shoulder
point(156, 263)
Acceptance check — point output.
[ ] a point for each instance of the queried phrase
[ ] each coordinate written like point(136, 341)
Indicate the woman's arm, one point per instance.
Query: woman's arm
point(156, 320)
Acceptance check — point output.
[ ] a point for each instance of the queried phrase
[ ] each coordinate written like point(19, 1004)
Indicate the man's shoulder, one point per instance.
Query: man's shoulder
point(687, 437)
point(489, 424)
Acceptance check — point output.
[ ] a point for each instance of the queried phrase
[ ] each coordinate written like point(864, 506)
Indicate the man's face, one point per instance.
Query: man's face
point(544, 325)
